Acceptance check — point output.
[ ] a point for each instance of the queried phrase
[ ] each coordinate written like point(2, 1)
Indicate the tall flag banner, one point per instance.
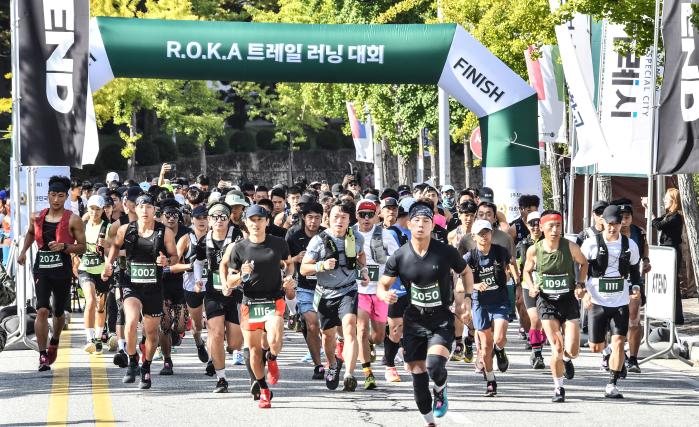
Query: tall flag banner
point(363, 145)
point(678, 118)
point(57, 121)
point(546, 77)
point(625, 110)
point(578, 73)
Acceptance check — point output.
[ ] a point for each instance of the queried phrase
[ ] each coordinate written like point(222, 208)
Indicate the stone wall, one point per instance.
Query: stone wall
point(271, 167)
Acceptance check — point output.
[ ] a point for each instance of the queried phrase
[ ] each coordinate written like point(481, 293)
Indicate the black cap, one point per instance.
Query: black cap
point(599, 205)
point(132, 193)
point(612, 214)
point(199, 211)
point(305, 199)
point(108, 201)
point(487, 195)
point(256, 210)
point(336, 189)
point(624, 204)
point(388, 202)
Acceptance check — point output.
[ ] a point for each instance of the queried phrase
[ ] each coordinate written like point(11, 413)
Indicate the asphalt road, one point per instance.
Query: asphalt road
point(87, 390)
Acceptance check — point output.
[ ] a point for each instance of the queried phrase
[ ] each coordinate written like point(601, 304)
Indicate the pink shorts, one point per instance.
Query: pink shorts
point(377, 309)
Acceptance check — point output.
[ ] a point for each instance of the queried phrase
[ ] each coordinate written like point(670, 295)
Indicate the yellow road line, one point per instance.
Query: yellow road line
point(60, 388)
point(101, 400)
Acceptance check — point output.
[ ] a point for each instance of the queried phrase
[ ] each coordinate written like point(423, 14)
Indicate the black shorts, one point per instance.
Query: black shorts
point(563, 310)
point(397, 310)
point(194, 299)
point(101, 287)
point(45, 286)
point(331, 311)
point(151, 297)
point(227, 307)
point(173, 292)
point(529, 302)
point(602, 319)
point(422, 331)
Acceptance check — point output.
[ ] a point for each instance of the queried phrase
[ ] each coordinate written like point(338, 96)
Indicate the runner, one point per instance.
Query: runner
point(424, 267)
point(597, 209)
point(372, 313)
point(614, 270)
point(58, 233)
point(334, 256)
point(90, 273)
point(146, 242)
point(221, 306)
point(312, 214)
point(553, 259)
point(487, 275)
point(255, 264)
point(536, 337)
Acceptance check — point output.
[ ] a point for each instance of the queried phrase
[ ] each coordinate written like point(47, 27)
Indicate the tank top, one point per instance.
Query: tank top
point(88, 260)
point(141, 259)
point(555, 271)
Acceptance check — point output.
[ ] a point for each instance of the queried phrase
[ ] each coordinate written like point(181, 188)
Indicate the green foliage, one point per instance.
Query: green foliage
point(147, 154)
point(265, 140)
point(242, 142)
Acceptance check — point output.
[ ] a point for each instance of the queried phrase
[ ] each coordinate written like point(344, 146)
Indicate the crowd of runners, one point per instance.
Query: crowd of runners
point(429, 275)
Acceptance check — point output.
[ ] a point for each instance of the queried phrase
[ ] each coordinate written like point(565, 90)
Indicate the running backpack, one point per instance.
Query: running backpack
point(378, 250)
point(598, 266)
point(331, 250)
point(131, 238)
point(402, 237)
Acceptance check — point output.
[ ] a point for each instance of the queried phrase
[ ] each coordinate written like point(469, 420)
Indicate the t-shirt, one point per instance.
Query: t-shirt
point(389, 245)
point(334, 281)
point(603, 293)
point(497, 289)
point(500, 238)
point(423, 275)
point(275, 230)
point(266, 278)
point(298, 241)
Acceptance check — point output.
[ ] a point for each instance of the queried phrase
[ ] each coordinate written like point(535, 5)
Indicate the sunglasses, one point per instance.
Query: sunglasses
point(201, 217)
point(219, 217)
point(352, 184)
point(170, 215)
point(534, 223)
point(366, 215)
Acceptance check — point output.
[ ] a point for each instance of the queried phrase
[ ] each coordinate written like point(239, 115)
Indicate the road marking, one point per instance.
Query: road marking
point(60, 387)
point(101, 399)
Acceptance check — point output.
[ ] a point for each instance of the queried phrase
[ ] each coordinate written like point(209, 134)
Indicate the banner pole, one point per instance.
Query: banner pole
point(378, 174)
point(420, 176)
point(571, 176)
point(444, 137)
point(654, 126)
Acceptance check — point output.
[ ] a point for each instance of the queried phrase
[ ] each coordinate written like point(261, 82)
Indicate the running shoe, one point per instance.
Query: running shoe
point(238, 358)
point(569, 369)
point(478, 367)
point(176, 338)
point(632, 365)
point(491, 389)
point(298, 326)
point(265, 399)
point(210, 370)
point(52, 353)
point(369, 382)
point(458, 354)
point(318, 372)
point(89, 347)
point(98, 346)
point(105, 336)
point(391, 375)
point(167, 369)
point(272, 371)
point(527, 345)
point(332, 376)
point(350, 383)
point(440, 403)
point(611, 392)
point(503, 361)
point(523, 335)
point(44, 363)
point(255, 390)
point(307, 358)
point(159, 353)
point(113, 342)
point(468, 353)
point(131, 373)
point(221, 386)
point(121, 359)
point(338, 349)
point(605, 361)
point(229, 350)
point(399, 356)
point(291, 323)
point(145, 380)
point(538, 362)
point(203, 354)
point(559, 395)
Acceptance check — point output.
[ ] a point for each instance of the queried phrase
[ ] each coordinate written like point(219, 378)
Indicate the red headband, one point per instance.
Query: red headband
point(551, 217)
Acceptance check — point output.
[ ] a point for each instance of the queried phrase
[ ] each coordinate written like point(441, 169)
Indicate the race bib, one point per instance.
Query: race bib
point(555, 284)
point(49, 260)
point(317, 295)
point(426, 296)
point(489, 280)
point(144, 272)
point(91, 259)
point(217, 281)
point(373, 271)
point(609, 286)
point(261, 311)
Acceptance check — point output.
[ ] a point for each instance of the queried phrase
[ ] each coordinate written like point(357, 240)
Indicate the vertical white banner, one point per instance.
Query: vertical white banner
point(625, 106)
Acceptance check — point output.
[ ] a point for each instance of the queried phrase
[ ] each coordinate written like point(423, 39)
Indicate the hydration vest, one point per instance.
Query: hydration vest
point(331, 250)
point(62, 230)
point(378, 251)
point(599, 265)
point(231, 236)
point(131, 238)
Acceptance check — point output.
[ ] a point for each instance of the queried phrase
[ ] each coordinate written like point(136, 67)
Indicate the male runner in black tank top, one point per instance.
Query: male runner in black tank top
point(146, 242)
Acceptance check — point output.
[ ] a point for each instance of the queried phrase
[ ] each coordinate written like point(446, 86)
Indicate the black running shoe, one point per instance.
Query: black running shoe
point(349, 383)
point(468, 352)
point(145, 380)
point(121, 359)
point(210, 370)
point(523, 334)
point(503, 361)
point(569, 369)
point(176, 338)
point(318, 372)
point(202, 353)
point(255, 390)
point(98, 346)
point(332, 376)
point(491, 389)
point(105, 336)
point(221, 386)
point(605, 361)
point(559, 395)
point(131, 373)
point(624, 371)
point(539, 362)
point(167, 369)
point(632, 365)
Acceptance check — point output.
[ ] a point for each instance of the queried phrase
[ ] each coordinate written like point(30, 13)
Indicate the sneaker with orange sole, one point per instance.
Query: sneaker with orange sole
point(391, 375)
point(265, 399)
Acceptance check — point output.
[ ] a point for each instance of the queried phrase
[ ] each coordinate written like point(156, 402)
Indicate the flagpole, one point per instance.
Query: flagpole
point(444, 139)
point(654, 127)
point(378, 174)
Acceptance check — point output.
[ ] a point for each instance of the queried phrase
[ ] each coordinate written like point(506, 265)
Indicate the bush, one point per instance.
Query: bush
point(110, 158)
point(186, 147)
point(328, 139)
point(242, 142)
point(265, 139)
point(166, 148)
point(220, 147)
point(147, 153)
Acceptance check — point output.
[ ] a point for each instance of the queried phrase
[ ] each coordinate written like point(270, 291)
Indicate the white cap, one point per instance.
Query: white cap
point(215, 196)
point(533, 215)
point(96, 200)
point(447, 187)
point(480, 225)
point(112, 176)
point(180, 199)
